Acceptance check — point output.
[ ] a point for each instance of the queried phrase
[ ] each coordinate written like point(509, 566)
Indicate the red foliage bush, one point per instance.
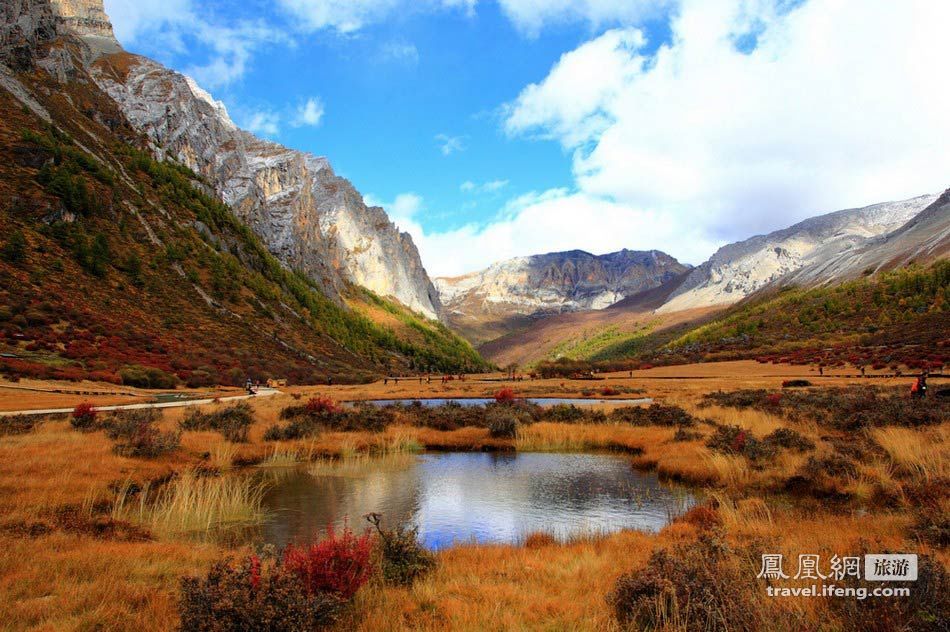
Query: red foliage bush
point(84, 416)
point(773, 399)
point(339, 564)
point(321, 405)
point(505, 396)
point(608, 392)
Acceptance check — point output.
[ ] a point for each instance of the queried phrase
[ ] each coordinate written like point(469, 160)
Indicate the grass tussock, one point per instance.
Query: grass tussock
point(192, 505)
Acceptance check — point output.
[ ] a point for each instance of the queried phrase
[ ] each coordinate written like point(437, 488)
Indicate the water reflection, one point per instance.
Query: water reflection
point(483, 497)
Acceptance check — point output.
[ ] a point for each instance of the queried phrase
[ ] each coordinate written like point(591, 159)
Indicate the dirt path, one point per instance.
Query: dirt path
point(263, 392)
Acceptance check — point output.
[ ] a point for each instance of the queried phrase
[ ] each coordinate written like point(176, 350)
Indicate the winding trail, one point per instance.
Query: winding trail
point(263, 392)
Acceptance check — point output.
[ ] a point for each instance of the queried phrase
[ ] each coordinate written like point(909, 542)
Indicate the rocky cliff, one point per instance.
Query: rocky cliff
point(312, 219)
point(739, 269)
point(510, 291)
point(133, 270)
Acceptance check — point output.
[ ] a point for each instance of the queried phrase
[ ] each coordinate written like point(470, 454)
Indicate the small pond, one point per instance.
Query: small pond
point(465, 497)
point(482, 401)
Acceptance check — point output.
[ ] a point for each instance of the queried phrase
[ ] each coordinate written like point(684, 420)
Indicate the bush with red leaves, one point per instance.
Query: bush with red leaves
point(609, 392)
point(505, 396)
point(339, 564)
point(253, 595)
point(321, 405)
point(84, 417)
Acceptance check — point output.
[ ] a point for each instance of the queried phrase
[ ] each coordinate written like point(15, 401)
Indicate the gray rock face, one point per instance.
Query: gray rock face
point(313, 220)
point(559, 282)
point(923, 239)
point(737, 270)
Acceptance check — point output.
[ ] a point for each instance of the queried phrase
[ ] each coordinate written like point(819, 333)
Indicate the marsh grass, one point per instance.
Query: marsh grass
point(193, 505)
point(922, 455)
point(281, 456)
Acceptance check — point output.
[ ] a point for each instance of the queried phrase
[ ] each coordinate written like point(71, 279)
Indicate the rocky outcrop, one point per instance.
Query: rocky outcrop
point(548, 284)
point(312, 219)
point(737, 270)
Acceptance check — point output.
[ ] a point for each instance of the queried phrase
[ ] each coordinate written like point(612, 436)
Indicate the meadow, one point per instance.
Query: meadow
point(105, 514)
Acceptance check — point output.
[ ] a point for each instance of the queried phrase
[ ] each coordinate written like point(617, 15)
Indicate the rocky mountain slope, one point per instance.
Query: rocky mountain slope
point(739, 269)
point(925, 238)
point(310, 218)
point(511, 293)
point(116, 265)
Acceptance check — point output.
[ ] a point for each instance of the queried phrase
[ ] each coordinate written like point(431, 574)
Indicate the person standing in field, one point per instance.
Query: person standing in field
point(919, 389)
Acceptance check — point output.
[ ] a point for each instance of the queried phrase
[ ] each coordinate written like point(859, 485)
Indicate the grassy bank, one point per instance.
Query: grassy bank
point(95, 538)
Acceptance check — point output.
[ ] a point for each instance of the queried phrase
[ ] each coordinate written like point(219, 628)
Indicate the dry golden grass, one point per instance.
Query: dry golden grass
point(922, 454)
point(192, 505)
point(63, 581)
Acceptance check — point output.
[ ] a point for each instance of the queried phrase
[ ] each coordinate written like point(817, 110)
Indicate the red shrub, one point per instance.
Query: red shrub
point(321, 405)
point(84, 416)
point(505, 396)
point(738, 444)
point(608, 392)
point(339, 564)
point(773, 399)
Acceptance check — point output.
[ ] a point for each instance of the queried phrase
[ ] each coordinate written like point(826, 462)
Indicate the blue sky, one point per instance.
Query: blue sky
point(495, 128)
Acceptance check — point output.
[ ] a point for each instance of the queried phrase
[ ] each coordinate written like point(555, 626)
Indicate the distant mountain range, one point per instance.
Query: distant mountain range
point(509, 294)
point(515, 299)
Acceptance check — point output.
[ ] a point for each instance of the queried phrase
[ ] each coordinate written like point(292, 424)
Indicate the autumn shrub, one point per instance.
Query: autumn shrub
point(684, 434)
point(795, 383)
point(403, 559)
point(704, 585)
point(564, 413)
point(254, 595)
point(502, 424)
point(846, 408)
point(735, 440)
point(136, 435)
point(317, 405)
point(339, 564)
point(84, 417)
point(232, 422)
point(926, 609)
point(789, 439)
point(653, 415)
point(18, 424)
point(505, 396)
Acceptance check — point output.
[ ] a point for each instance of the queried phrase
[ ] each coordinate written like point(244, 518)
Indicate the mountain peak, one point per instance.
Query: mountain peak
point(85, 18)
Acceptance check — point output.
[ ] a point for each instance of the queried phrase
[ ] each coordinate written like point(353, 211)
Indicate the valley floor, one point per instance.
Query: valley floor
point(67, 563)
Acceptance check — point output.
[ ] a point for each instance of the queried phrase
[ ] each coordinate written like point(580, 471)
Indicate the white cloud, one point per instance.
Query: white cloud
point(535, 223)
point(167, 26)
point(449, 145)
point(310, 113)
point(400, 51)
point(839, 104)
point(492, 186)
point(530, 16)
point(263, 122)
point(349, 16)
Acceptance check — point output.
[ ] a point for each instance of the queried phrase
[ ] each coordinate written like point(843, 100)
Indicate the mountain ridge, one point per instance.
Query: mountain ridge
point(118, 267)
point(512, 293)
point(312, 219)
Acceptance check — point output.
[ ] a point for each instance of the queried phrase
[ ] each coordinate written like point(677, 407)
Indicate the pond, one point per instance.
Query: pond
point(482, 401)
point(465, 497)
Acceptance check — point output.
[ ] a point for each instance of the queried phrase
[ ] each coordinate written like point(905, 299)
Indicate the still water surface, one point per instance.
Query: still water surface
point(464, 497)
point(483, 401)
